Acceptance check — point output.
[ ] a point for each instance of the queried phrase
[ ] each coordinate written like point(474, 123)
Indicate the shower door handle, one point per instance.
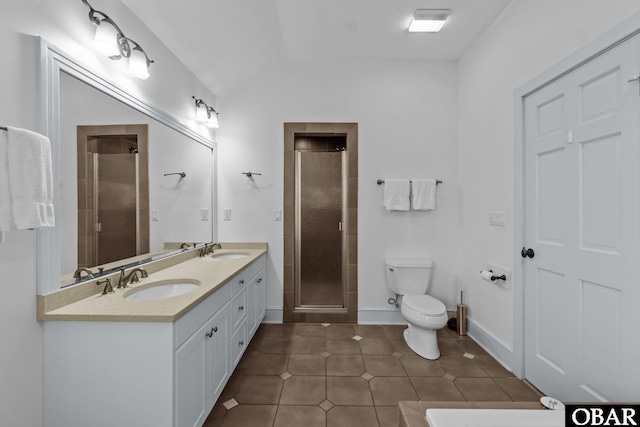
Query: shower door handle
point(340, 228)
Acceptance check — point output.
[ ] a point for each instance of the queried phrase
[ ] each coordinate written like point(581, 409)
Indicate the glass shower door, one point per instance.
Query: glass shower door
point(320, 236)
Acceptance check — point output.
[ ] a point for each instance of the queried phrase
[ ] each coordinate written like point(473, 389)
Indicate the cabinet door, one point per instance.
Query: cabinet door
point(191, 377)
point(261, 297)
point(251, 307)
point(218, 353)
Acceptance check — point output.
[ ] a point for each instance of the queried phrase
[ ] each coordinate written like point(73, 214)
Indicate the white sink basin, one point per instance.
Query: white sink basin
point(229, 255)
point(161, 290)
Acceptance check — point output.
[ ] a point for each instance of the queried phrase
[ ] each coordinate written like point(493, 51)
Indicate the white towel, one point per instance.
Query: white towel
point(28, 166)
point(423, 194)
point(6, 213)
point(396, 194)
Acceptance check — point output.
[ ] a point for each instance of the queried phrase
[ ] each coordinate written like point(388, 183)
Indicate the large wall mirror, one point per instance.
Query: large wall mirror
point(134, 182)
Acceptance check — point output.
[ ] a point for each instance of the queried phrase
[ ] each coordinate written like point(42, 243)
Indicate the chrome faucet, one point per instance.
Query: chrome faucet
point(132, 277)
point(78, 273)
point(108, 289)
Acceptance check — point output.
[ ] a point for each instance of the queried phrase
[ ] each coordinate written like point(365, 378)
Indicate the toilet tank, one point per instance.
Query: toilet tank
point(408, 276)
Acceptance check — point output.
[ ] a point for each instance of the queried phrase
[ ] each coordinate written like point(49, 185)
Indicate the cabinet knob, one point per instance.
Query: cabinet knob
point(241, 282)
point(241, 343)
point(241, 307)
point(210, 333)
point(215, 329)
point(259, 280)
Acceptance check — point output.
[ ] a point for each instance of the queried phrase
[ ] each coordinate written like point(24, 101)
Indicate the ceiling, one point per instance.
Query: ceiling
point(225, 42)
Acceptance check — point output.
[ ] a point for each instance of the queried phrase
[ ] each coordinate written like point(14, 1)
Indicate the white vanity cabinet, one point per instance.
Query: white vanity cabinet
point(161, 374)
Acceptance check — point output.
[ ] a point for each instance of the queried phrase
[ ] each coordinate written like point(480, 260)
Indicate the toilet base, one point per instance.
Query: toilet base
point(423, 341)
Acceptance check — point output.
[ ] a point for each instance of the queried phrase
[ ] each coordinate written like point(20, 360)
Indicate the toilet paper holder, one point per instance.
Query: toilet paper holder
point(494, 278)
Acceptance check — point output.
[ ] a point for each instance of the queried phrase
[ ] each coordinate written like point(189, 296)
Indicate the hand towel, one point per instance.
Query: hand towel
point(6, 213)
point(396, 194)
point(30, 179)
point(423, 194)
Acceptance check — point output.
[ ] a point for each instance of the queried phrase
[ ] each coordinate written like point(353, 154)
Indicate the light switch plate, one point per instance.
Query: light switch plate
point(226, 214)
point(497, 218)
point(277, 215)
point(204, 214)
point(155, 215)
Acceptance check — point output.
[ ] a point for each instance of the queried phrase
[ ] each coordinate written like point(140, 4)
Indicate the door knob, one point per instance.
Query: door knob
point(527, 253)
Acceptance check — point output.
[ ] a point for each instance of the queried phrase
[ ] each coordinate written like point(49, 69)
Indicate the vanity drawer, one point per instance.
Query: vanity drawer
point(238, 343)
point(238, 308)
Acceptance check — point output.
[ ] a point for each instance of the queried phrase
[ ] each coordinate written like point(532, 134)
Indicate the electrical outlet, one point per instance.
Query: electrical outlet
point(155, 215)
point(499, 271)
point(204, 214)
point(226, 214)
point(277, 216)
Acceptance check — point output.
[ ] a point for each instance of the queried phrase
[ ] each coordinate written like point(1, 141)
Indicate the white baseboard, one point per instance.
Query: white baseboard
point(273, 315)
point(491, 344)
point(380, 317)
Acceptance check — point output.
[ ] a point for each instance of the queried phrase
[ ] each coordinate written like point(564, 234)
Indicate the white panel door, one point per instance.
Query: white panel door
point(582, 287)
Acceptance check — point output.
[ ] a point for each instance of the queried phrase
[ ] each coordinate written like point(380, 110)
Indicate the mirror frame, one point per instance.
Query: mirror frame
point(51, 62)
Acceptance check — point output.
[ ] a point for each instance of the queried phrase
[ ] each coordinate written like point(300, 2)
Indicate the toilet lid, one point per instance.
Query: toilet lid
point(424, 304)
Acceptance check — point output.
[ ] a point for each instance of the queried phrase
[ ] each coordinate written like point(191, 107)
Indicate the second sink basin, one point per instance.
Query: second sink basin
point(229, 255)
point(162, 290)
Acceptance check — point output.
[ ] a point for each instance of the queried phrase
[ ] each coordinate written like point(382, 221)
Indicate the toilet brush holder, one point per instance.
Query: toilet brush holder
point(461, 324)
point(461, 315)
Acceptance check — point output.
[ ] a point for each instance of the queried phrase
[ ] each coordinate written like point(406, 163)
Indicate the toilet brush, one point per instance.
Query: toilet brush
point(461, 313)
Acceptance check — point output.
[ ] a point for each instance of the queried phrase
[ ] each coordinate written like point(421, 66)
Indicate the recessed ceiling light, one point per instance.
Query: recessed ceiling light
point(428, 20)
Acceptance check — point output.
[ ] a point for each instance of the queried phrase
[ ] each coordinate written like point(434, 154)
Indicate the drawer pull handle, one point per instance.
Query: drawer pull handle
point(215, 329)
point(241, 307)
point(241, 343)
point(210, 333)
point(260, 280)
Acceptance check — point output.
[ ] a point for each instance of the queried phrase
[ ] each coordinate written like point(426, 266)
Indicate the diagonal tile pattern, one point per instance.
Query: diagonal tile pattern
point(329, 375)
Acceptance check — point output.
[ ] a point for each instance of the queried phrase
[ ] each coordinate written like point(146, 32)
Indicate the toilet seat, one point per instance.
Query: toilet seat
point(425, 305)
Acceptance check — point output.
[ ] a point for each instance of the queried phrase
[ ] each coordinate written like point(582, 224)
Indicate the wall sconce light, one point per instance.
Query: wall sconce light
point(111, 41)
point(207, 114)
point(428, 20)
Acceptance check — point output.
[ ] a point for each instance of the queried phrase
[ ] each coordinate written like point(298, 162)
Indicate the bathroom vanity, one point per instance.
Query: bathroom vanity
point(115, 360)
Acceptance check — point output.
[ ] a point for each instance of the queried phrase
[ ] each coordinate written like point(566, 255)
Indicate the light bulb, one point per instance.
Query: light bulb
point(201, 112)
point(106, 39)
point(213, 120)
point(138, 66)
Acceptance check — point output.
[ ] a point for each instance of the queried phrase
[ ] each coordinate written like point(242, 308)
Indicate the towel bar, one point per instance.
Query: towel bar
point(381, 181)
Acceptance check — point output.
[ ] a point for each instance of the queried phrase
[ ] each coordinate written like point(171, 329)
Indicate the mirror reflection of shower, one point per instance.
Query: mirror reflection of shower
point(320, 227)
point(112, 193)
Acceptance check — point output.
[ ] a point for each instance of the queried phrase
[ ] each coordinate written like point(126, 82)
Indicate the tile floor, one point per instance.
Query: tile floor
point(331, 375)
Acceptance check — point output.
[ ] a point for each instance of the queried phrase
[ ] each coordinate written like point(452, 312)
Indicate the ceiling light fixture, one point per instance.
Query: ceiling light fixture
point(207, 114)
point(428, 20)
point(111, 41)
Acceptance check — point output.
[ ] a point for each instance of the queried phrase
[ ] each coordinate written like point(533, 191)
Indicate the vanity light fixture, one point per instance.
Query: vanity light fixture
point(428, 20)
point(205, 113)
point(111, 41)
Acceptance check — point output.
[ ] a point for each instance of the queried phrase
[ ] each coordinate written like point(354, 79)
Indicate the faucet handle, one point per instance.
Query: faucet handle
point(108, 289)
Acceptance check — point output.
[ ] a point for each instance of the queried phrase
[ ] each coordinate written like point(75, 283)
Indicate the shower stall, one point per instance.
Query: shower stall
point(320, 222)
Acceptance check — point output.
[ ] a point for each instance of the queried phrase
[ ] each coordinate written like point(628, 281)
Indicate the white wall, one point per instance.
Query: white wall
point(65, 24)
point(529, 37)
point(407, 123)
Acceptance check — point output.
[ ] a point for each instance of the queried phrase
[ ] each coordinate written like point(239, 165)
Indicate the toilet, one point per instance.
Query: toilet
point(410, 279)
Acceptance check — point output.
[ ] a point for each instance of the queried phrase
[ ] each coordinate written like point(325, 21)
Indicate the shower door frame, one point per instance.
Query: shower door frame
point(348, 313)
